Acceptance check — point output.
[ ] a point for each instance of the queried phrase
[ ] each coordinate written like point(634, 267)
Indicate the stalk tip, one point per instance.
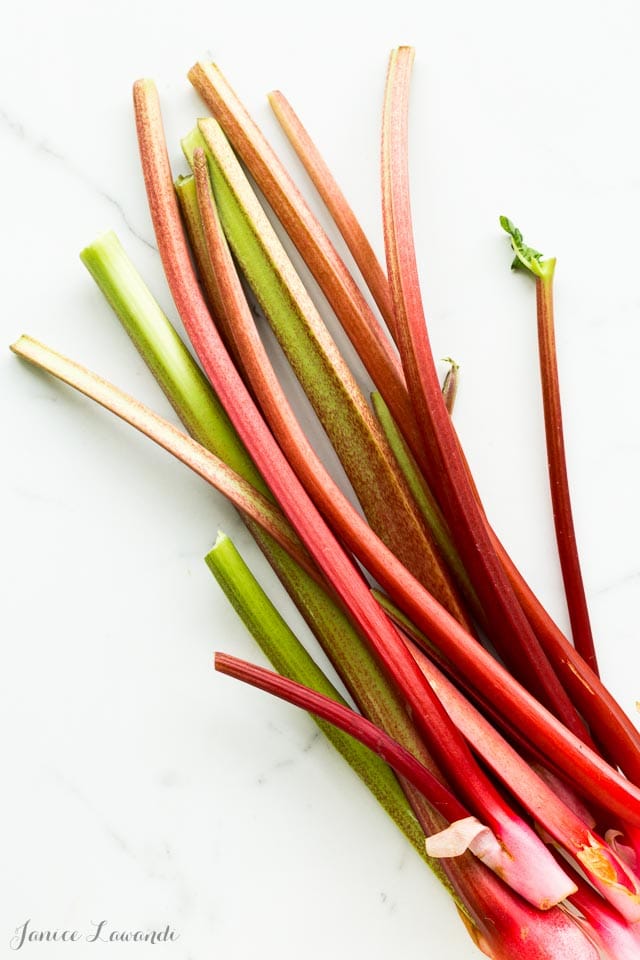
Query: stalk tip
point(18, 346)
point(526, 257)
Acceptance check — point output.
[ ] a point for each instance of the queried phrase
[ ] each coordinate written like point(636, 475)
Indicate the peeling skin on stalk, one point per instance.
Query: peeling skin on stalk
point(612, 877)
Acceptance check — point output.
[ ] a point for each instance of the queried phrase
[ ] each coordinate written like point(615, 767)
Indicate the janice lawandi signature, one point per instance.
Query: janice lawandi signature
point(98, 932)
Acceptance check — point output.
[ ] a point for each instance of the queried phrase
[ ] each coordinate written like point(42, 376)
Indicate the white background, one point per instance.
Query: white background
point(139, 787)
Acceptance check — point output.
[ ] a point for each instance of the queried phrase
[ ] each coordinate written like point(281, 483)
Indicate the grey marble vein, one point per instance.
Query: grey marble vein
point(42, 147)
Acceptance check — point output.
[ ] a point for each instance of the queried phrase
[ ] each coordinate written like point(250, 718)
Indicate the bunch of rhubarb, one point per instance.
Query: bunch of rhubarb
point(484, 732)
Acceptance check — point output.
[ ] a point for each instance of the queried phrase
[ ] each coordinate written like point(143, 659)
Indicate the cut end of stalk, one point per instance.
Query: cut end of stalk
point(526, 258)
point(220, 539)
point(142, 88)
point(24, 346)
point(456, 839)
point(105, 242)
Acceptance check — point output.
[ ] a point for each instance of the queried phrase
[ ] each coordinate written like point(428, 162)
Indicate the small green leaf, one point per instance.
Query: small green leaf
point(526, 257)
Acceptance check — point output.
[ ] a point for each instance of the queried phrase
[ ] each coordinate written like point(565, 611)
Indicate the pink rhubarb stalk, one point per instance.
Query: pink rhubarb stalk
point(205, 464)
point(616, 938)
point(605, 869)
point(337, 205)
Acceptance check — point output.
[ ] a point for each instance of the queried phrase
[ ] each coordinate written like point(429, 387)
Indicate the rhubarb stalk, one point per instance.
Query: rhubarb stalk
point(510, 631)
point(337, 205)
point(289, 658)
point(543, 270)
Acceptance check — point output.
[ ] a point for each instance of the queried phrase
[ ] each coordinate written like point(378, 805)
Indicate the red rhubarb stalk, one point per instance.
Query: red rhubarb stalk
point(472, 835)
point(610, 725)
point(510, 631)
point(607, 871)
point(346, 719)
point(543, 271)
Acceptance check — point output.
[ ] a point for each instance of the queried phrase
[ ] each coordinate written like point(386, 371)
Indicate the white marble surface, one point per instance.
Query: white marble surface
point(139, 787)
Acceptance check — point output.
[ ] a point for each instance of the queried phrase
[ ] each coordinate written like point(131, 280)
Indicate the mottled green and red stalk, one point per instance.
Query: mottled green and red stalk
point(543, 271)
point(316, 249)
point(186, 193)
point(381, 490)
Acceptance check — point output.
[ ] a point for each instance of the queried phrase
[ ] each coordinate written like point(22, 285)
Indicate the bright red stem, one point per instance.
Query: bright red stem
point(397, 756)
point(558, 478)
point(510, 630)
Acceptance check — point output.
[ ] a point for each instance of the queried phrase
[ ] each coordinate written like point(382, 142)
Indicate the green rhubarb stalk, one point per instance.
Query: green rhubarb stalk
point(280, 645)
point(323, 374)
point(180, 377)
